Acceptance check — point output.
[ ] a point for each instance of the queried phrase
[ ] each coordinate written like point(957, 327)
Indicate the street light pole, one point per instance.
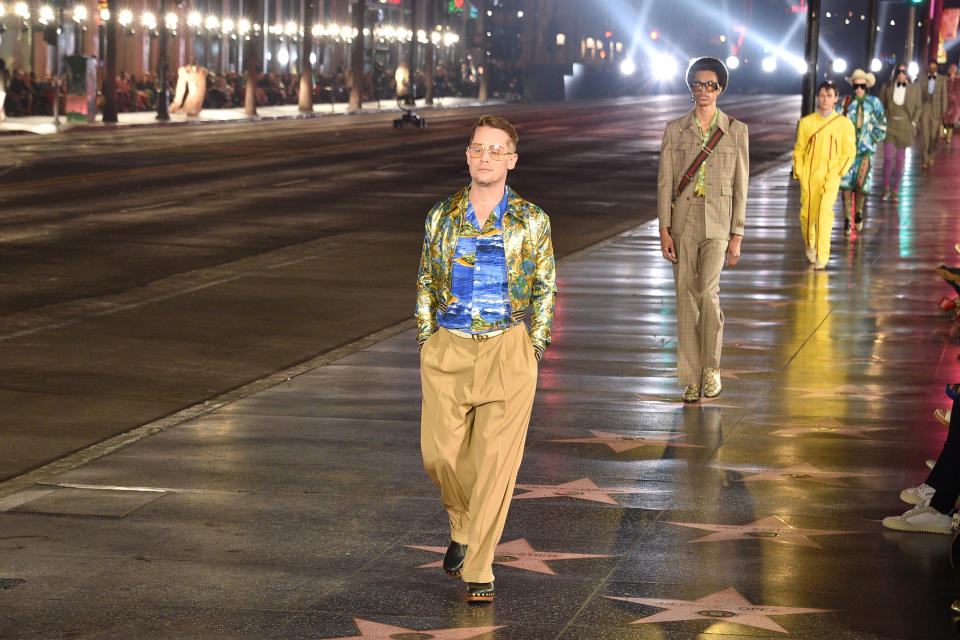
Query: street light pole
point(871, 31)
point(911, 28)
point(110, 68)
point(811, 49)
point(57, 70)
point(162, 108)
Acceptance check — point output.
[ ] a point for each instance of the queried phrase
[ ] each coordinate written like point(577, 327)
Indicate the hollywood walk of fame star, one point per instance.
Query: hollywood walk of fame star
point(519, 554)
point(772, 529)
point(846, 392)
point(818, 425)
point(583, 489)
point(376, 631)
point(620, 442)
point(743, 344)
point(796, 472)
point(734, 374)
point(678, 402)
point(829, 427)
point(723, 606)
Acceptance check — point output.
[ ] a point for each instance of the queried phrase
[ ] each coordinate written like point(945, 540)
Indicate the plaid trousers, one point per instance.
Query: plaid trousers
point(696, 276)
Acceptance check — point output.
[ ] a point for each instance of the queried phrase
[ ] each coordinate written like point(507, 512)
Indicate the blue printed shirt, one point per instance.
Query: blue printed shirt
point(480, 298)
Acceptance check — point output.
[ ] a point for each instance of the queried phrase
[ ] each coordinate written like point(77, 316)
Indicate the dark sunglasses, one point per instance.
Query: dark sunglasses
point(860, 86)
point(709, 85)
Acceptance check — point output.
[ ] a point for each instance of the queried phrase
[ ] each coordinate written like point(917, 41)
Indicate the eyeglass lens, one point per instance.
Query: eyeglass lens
point(496, 152)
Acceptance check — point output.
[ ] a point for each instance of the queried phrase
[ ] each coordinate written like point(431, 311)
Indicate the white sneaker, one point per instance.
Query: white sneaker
point(918, 495)
point(920, 519)
point(943, 416)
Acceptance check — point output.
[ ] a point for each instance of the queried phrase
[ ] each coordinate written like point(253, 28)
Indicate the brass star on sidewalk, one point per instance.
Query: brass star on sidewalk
point(583, 489)
point(376, 631)
point(620, 442)
point(518, 554)
point(796, 472)
point(772, 529)
point(723, 606)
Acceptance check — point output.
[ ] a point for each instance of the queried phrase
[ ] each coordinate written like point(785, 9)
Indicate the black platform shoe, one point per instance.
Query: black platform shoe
point(479, 594)
point(453, 559)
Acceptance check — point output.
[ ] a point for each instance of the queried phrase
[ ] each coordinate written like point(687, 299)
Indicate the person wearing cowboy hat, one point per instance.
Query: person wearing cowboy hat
point(868, 117)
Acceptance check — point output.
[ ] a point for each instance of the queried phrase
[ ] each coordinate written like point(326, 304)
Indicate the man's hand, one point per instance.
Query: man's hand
point(666, 245)
point(733, 250)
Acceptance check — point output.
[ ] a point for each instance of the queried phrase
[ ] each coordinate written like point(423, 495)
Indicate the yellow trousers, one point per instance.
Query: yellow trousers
point(816, 216)
point(477, 400)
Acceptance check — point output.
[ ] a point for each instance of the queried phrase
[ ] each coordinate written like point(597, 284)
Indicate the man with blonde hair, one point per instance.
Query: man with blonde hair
point(487, 259)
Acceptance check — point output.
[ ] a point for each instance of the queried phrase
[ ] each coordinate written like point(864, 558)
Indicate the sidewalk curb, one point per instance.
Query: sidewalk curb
point(81, 127)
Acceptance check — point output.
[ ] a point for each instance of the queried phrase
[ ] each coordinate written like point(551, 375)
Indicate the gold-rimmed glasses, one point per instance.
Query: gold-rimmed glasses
point(495, 151)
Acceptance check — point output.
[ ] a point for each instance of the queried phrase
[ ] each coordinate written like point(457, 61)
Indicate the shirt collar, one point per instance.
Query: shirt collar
point(496, 216)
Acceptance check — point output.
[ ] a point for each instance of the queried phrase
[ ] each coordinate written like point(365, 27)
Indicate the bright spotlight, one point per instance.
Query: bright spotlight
point(800, 65)
point(876, 65)
point(664, 67)
point(283, 57)
point(839, 65)
point(733, 62)
point(627, 67)
point(769, 64)
point(913, 69)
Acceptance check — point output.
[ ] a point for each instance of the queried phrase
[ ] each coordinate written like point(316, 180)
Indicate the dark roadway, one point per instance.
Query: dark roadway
point(145, 270)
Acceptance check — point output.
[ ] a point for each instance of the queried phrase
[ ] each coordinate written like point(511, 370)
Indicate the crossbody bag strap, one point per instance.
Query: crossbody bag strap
point(705, 151)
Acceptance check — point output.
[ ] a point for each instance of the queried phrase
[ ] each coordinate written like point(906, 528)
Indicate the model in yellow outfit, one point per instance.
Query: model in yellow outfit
point(825, 149)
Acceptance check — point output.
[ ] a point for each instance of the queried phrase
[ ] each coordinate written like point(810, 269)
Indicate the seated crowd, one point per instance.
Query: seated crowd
point(27, 96)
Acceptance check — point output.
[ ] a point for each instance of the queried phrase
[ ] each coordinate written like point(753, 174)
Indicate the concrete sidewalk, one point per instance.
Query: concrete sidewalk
point(302, 510)
point(44, 125)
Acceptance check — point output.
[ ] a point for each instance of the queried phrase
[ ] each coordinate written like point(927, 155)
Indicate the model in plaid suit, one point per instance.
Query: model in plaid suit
point(701, 233)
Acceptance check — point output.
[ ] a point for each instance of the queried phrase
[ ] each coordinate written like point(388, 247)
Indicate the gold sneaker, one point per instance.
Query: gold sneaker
point(711, 382)
point(691, 393)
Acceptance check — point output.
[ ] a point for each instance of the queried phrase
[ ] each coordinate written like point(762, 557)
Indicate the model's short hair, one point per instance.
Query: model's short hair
point(828, 84)
point(496, 122)
point(707, 63)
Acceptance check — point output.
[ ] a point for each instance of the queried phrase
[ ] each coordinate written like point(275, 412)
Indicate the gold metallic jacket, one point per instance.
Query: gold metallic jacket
point(531, 272)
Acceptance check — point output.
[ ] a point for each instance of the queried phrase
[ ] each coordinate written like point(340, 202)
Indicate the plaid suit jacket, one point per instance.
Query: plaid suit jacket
point(727, 172)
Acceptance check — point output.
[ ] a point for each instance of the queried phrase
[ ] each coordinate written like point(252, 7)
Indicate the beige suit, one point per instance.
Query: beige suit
point(931, 114)
point(701, 229)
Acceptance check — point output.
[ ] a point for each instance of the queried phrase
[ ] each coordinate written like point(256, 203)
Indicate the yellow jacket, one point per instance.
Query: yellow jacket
point(825, 149)
point(531, 272)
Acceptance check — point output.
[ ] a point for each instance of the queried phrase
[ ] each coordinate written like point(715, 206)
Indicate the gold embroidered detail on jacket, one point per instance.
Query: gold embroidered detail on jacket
point(531, 270)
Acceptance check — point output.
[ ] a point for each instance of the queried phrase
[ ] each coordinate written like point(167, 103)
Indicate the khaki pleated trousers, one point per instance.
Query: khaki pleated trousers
point(696, 276)
point(477, 399)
